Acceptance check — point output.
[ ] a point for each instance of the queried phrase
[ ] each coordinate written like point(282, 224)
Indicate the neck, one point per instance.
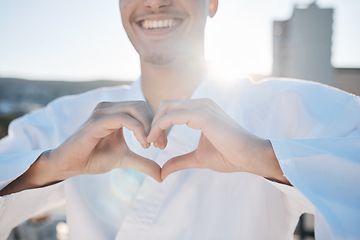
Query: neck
point(172, 81)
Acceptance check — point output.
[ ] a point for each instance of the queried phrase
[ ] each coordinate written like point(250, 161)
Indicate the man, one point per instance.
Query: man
point(76, 148)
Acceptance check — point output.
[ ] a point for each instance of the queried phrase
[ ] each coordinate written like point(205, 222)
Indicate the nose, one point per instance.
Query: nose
point(156, 4)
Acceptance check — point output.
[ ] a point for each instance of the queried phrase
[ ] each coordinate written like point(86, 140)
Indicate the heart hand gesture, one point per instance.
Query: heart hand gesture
point(224, 146)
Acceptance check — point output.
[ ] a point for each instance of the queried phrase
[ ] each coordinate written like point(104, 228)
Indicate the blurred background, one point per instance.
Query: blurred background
point(54, 48)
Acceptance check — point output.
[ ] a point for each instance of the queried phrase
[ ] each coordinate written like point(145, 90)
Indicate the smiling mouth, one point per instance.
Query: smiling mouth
point(159, 24)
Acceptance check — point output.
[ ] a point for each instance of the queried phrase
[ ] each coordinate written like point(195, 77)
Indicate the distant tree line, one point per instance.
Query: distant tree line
point(19, 96)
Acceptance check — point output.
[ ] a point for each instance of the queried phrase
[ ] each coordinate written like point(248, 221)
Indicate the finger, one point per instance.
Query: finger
point(108, 124)
point(139, 110)
point(191, 118)
point(167, 105)
point(139, 163)
point(149, 113)
point(178, 163)
point(161, 141)
point(178, 111)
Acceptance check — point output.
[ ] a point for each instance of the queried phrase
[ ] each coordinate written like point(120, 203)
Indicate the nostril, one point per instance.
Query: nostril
point(157, 4)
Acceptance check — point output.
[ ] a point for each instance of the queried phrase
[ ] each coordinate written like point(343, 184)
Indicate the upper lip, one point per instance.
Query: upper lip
point(158, 17)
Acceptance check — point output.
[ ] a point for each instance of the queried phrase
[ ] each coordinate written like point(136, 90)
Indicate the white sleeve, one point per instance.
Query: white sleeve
point(326, 169)
point(28, 137)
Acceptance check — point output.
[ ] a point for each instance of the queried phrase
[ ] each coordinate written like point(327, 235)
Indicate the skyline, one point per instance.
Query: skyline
point(84, 40)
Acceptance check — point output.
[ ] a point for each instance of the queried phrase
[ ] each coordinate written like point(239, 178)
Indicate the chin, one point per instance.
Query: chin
point(159, 59)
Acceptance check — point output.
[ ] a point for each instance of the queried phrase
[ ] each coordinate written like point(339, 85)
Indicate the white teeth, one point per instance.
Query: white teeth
point(168, 23)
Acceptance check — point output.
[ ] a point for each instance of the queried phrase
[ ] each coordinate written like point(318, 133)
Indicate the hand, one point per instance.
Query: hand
point(99, 145)
point(224, 146)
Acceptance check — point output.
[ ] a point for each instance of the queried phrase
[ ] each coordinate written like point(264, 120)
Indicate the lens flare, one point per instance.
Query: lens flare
point(109, 196)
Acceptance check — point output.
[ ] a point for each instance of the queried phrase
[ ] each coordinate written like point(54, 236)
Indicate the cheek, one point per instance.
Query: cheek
point(199, 10)
point(125, 12)
point(124, 2)
point(125, 7)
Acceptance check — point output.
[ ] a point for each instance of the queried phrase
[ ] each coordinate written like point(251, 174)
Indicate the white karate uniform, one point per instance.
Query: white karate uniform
point(315, 132)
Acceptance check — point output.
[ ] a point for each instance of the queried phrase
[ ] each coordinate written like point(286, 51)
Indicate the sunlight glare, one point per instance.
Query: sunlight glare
point(234, 53)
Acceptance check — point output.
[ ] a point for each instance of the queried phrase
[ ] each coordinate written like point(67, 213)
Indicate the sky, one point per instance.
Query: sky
point(84, 39)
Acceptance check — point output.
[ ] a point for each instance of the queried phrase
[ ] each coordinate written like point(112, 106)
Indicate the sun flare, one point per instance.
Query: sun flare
point(234, 54)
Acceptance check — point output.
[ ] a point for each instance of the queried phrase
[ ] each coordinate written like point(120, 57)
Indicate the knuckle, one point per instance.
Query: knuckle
point(122, 116)
point(167, 102)
point(101, 105)
point(137, 125)
point(95, 119)
point(207, 101)
point(96, 115)
point(132, 105)
point(163, 103)
point(207, 106)
point(142, 103)
point(137, 105)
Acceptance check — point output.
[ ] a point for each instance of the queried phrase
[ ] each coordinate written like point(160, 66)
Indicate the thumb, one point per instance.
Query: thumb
point(178, 163)
point(139, 163)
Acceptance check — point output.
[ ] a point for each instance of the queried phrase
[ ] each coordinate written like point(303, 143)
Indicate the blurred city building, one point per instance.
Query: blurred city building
point(302, 49)
point(348, 79)
point(302, 45)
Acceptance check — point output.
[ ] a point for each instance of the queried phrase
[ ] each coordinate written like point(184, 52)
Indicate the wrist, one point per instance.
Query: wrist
point(274, 170)
point(57, 169)
point(266, 163)
point(43, 171)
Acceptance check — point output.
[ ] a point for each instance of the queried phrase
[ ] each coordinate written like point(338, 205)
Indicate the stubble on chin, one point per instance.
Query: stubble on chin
point(158, 59)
